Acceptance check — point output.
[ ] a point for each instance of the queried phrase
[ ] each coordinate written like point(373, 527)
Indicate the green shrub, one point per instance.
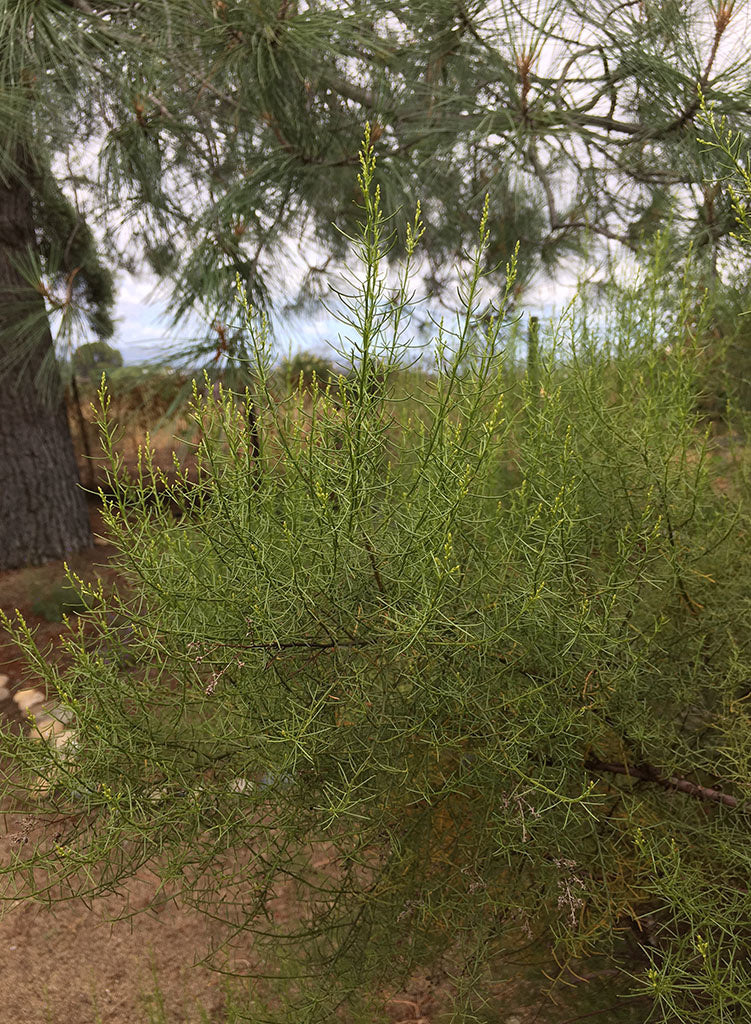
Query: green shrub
point(90, 359)
point(732, 305)
point(427, 682)
point(62, 599)
point(303, 370)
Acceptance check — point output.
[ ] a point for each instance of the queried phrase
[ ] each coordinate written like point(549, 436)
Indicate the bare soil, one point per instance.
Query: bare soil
point(69, 963)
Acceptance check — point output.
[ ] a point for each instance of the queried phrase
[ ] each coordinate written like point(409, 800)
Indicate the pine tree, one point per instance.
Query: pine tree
point(46, 247)
point(224, 133)
point(578, 119)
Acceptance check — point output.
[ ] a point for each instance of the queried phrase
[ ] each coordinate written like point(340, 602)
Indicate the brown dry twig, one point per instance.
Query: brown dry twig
point(648, 773)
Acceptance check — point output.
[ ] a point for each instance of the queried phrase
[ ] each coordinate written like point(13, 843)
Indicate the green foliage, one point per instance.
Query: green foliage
point(465, 100)
point(423, 681)
point(90, 359)
point(736, 165)
point(304, 370)
point(70, 256)
point(732, 303)
point(62, 599)
point(49, 73)
point(727, 391)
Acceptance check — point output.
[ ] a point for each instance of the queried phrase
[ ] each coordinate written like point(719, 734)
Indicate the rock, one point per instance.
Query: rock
point(46, 728)
point(241, 786)
point(66, 739)
point(40, 789)
point(268, 780)
point(26, 699)
point(61, 714)
point(4, 690)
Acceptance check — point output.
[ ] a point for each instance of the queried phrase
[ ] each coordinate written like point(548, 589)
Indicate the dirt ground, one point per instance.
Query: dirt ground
point(69, 964)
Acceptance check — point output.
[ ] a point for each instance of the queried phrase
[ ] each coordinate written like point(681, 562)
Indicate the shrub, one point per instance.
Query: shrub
point(90, 359)
point(733, 304)
point(452, 675)
point(303, 370)
point(54, 603)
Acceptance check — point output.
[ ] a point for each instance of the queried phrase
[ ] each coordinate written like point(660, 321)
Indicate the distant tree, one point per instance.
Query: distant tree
point(95, 356)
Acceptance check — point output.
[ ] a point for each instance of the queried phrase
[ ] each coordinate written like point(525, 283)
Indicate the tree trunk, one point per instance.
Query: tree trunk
point(43, 513)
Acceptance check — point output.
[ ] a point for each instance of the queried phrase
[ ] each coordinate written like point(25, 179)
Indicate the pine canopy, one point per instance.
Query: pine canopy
point(205, 138)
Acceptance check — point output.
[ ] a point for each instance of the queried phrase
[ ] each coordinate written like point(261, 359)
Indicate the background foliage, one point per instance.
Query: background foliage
point(204, 139)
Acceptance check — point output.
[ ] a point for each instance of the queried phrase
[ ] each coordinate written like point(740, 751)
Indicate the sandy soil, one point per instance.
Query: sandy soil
point(69, 964)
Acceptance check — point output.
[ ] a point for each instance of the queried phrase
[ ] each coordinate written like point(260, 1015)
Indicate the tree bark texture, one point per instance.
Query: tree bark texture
point(43, 512)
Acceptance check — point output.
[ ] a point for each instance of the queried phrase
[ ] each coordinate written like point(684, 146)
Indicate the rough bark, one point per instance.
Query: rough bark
point(43, 513)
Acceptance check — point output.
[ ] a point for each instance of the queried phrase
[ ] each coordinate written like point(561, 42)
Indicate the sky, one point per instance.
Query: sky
point(143, 331)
